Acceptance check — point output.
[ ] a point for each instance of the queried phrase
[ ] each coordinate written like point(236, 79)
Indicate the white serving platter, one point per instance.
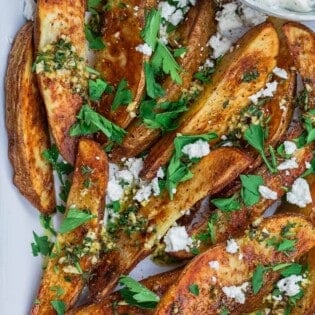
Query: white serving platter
point(19, 270)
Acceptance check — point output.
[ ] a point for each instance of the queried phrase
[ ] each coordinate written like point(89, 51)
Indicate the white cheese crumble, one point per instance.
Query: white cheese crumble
point(268, 91)
point(214, 264)
point(220, 45)
point(114, 191)
point(232, 246)
point(144, 49)
point(300, 194)
point(267, 193)
point(288, 164)
point(236, 292)
point(281, 73)
point(197, 149)
point(308, 165)
point(289, 147)
point(290, 285)
point(177, 239)
point(29, 8)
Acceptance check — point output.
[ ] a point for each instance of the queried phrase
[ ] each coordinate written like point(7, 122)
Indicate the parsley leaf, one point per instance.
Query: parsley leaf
point(74, 218)
point(255, 136)
point(46, 223)
point(97, 88)
point(42, 245)
point(249, 192)
point(194, 289)
point(153, 89)
point(95, 41)
point(59, 306)
point(123, 95)
point(58, 290)
point(93, 6)
point(152, 27)
point(250, 76)
point(163, 59)
point(90, 122)
point(227, 204)
point(136, 294)
point(286, 245)
point(292, 269)
point(258, 278)
point(180, 51)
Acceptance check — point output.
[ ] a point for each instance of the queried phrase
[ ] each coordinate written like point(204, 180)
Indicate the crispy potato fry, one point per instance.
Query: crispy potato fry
point(111, 306)
point(234, 271)
point(27, 126)
point(55, 19)
point(58, 273)
point(211, 174)
point(233, 224)
point(301, 41)
point(194, 35)
point(120, 60)
point(257, 50)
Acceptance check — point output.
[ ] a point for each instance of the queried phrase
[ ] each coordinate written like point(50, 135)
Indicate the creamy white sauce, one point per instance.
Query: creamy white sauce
point(294, 5)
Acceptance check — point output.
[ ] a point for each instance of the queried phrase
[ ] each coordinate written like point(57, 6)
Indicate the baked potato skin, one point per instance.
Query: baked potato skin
point(158, 283)
point(120, 59)
point(233, 271)
point(56, 18)
point(27, 126)
point(258, 49)
point(211, 174)
point(194, 34)
point(89, 155)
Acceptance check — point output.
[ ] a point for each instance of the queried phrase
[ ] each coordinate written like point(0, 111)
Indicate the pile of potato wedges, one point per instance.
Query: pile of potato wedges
point(238, 261)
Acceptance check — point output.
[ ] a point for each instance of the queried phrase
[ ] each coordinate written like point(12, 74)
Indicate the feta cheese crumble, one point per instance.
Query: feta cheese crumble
point(232, 246)
point(288, 164)
point(268, 91)
point(197, 149)
point(289, 147)
point(281, 73)
point(29, 8)
point(236, 292)
point(290, 285)
point(177, 239)
point(267, 193)
point(300, 194)
point(214, 264)
point(144, 49)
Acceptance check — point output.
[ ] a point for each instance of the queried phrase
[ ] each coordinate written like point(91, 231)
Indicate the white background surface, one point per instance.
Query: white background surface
point(19, 270)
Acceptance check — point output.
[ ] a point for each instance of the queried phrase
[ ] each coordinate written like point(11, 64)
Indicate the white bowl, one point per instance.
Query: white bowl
point(280, 12)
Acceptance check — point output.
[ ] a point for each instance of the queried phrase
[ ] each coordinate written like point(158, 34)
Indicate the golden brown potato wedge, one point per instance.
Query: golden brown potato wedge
point(120, 60)
point(114, 305)
point(211, 174)
point(234, 271)
point(233, 224)
point(61, 89)
point(194, 35)
point(27, 126)
point(257, 50)
point(301, 41)
point(69, 259)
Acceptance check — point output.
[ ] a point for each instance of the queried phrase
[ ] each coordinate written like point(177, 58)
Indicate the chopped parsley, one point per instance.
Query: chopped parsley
point(136, 294)
point(97, 88)
point(73, 219)
point(153, 88)
point(152, 26)
point(227, 204)
point(249, 191)
point(59, 306)
point(194, 289)
point(46, 223)
point(250, 76)
point(180, 51)
point(210, 233)
point(123, 95)
point(94, 39)
point(58, 290)
point(41, 245)
point(90, 122)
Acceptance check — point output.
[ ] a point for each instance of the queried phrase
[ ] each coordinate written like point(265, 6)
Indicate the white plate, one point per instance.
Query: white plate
point(19, 270)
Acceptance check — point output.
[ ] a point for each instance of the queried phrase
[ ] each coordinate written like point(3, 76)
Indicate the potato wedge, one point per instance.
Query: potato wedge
point(233, 271)
point(63, 268)
point(194, 35)
point(211, 174)
point(111, 306)
point(301, 41)
point(257, 50)
point(27, 126)
point(61, 89)
point(233, 224)
point(120, 60)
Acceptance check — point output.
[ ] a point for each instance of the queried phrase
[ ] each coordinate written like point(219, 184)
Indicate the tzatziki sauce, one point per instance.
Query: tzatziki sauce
point(294, 5)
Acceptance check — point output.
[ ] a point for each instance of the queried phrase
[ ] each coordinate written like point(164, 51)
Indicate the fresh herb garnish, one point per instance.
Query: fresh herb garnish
point(180, 51)
point(249, 192)
point(286, 245)
point(136, 294)
point(58, 290)
point(97, 88)
point(59, 306)
point(42, 245)
point(194, 289)
point(250, 76)
point(152, 25)
point(73, 219)
point(153, 89)
point(90, 122)
point(258, 278)
point(123, 95)
point(227, 204)
point(94, 39)
point(46, 223)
